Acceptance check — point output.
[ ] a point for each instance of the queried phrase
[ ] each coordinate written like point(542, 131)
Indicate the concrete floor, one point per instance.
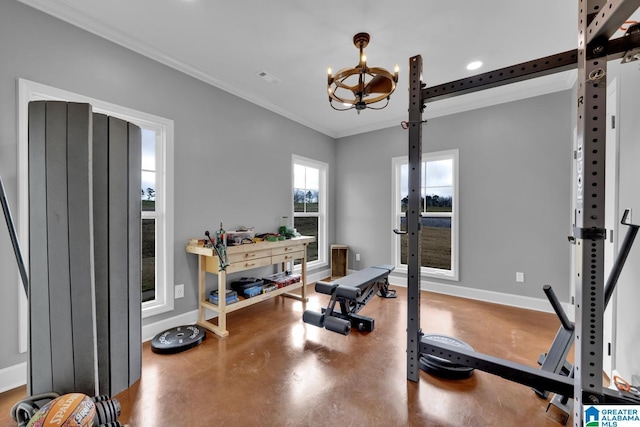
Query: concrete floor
point(275, 370)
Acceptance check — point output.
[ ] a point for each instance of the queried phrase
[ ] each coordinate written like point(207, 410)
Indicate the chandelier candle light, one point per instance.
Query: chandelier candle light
point(373, 84)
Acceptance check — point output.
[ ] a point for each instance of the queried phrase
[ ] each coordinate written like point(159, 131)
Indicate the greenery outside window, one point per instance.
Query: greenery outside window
point(439, 213)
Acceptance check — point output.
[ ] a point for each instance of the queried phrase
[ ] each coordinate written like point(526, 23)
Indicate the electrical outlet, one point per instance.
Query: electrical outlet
point(519, 277)
point(179, 291)
point(357, 257)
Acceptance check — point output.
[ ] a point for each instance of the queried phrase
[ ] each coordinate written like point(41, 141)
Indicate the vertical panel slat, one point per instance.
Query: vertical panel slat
point(57, 241)
point(101, 246)
point(79, 122)
point(118, 255)
point(135, 234)
point(40, 376)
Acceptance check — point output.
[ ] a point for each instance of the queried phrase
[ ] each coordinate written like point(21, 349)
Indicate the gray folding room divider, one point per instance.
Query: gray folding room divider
point(84, 250)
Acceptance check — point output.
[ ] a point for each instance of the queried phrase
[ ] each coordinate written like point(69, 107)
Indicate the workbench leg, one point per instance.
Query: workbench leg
point(303, 279)
point(304, 274)
point(221, 328)
point(222, 301)
point(202, 289)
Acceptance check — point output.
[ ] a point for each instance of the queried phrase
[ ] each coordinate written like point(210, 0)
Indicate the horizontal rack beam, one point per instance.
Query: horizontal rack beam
point(524, 71)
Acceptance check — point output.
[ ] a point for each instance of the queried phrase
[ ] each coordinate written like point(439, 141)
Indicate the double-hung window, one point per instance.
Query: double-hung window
point(156, 192)
point(150, 216)
point(310, 206)
point(438, 210)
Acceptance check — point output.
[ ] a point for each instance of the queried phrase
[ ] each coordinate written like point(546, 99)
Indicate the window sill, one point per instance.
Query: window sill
point(153, 308)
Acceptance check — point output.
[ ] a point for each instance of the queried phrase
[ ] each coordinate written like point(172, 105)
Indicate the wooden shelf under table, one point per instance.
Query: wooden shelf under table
point(241, 258)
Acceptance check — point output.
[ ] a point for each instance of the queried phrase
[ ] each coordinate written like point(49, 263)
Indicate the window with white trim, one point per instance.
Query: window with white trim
point(149, 215)
point(156, 191)
point(310, 206)
point(438, 209)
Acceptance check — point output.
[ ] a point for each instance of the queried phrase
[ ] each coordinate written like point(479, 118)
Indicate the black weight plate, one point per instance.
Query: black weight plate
point(432, 369)
point(435, 365)
point(437, 360)
point(459, 373)
point(178, 339)
point(440, 366)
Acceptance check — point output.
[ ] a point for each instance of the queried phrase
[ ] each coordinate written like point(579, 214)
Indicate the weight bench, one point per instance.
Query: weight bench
point(352, 293)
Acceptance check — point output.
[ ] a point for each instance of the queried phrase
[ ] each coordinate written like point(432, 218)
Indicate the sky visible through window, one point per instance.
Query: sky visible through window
point(306, 178)
point(148, 164)
point(439, 178)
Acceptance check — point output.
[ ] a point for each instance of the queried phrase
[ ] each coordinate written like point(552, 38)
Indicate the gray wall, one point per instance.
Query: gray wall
point(515, 169)
point(225, 147)
point(514, 163)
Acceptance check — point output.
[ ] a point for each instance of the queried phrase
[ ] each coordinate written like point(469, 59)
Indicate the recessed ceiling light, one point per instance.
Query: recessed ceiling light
point(474, 65)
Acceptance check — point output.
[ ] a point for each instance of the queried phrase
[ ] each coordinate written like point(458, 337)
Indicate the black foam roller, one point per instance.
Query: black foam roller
point(335, 324)
point(313, 318)
point(348, 292)
point(324, 287)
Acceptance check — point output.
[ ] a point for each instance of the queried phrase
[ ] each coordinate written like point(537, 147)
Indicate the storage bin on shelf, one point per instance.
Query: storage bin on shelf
point(283, 279)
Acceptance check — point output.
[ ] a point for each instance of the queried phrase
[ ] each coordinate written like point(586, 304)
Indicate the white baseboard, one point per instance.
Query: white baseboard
point(530, 303)
point(13, 376)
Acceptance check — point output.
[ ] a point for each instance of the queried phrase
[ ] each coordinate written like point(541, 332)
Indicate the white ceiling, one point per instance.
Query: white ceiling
point(226, 43)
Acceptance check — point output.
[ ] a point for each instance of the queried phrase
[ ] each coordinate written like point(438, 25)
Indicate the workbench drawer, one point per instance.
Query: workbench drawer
point(248, 264)
point(248, 256)
point(288, 257)
point(288, 249)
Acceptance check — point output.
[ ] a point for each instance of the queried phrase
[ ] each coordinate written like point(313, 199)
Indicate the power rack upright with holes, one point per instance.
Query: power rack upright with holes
point(598, 20)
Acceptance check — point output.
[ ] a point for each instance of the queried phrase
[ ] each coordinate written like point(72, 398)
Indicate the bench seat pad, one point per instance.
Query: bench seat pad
point(365, 276)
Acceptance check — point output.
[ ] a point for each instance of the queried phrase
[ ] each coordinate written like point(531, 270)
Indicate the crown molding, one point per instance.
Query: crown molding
point(60, 10)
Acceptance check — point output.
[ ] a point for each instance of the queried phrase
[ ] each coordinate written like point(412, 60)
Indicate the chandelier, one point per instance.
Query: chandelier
point(361, 86)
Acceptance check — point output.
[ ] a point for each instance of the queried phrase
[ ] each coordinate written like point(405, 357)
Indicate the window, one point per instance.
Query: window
point(439, 212)
point(156, 191)
point(310, 206)
point(149, 217)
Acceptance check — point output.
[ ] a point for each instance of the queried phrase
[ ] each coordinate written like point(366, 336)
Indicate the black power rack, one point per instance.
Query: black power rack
point(598, 21)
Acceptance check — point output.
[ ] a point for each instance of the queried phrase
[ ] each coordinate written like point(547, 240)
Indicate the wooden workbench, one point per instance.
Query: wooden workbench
point(241, 258)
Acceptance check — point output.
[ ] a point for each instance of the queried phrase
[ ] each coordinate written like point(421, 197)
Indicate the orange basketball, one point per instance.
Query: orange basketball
point(69, 410)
